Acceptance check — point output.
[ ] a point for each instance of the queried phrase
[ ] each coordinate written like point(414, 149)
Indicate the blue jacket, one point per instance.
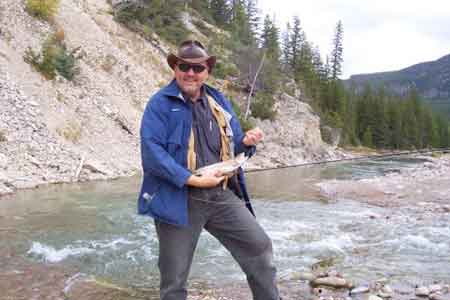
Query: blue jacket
point(165, 131)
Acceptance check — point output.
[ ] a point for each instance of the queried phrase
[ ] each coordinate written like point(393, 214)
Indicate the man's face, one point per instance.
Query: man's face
point(188, 80)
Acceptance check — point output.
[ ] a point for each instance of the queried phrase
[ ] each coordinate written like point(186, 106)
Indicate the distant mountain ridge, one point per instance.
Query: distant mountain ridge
point(431, 79)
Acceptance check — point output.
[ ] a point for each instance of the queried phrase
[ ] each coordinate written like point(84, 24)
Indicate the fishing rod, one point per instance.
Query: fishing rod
point(393, 154)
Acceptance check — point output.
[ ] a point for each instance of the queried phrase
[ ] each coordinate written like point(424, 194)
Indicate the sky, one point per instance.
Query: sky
point(381, 35)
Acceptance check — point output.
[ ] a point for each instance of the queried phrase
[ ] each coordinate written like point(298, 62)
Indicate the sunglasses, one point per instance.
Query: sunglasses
point(183, 67)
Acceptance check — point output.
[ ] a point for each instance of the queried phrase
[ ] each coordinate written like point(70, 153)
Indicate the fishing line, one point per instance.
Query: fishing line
point(393, 154)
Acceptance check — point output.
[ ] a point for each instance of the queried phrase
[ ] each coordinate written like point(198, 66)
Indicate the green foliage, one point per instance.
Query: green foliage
point(262, 106)
point(159, 16)
point(337, 52)
point(220, 11)
point(222, 70)
point(367, 138)
point(245, 124)
point(42, 62)
point(54, 58)
point(43, 9)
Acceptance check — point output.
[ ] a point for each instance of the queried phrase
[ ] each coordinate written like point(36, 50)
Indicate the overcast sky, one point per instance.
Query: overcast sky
point(382, 35)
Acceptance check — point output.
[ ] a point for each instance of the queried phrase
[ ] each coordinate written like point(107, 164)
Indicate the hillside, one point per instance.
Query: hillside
point(431, 79)
point(54, 131)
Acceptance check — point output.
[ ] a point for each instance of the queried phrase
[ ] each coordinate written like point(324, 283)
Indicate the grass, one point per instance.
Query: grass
point(42, 9)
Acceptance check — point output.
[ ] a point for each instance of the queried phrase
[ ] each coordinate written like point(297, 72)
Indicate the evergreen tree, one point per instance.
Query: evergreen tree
point(220, 11)
point(296, 40)
point(270, 39)
point(253, 17)
point(367, 138)
point(337, 52)
point(286, 50)
point(240, 26)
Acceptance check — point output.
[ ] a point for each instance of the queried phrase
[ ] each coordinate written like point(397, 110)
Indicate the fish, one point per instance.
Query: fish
point(226, 168)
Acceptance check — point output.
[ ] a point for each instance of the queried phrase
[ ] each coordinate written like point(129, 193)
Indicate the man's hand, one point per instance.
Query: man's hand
point(207, 180)
point(253, 137)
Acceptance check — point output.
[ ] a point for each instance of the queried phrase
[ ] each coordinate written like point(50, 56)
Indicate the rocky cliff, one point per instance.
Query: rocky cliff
point(54, 131)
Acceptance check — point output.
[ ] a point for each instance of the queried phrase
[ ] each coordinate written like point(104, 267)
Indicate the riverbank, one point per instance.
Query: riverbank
point(424, 187)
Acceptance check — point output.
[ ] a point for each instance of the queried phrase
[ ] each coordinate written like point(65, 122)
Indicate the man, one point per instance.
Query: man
point(187, 125)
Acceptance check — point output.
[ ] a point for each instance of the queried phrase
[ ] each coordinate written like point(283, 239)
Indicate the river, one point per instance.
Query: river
point(93, 228)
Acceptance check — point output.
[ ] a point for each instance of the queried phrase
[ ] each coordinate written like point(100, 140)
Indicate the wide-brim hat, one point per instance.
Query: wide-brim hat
point(193, 52)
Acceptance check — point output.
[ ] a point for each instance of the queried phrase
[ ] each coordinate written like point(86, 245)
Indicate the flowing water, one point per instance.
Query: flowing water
point(94, 229)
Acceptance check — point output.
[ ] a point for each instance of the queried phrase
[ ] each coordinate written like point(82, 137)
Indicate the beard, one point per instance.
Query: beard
point(191, 90)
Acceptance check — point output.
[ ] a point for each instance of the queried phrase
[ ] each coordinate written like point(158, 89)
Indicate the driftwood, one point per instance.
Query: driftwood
point(247, 111)
point(80, 166)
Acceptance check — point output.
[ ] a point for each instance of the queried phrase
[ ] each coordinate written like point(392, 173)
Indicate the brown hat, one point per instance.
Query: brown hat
point(192, 52)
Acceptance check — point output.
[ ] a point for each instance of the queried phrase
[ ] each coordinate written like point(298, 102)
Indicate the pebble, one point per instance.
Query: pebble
point(435, 288)
point(437, 296)
point(360, 290)
point(332, 281)
point(422, 291)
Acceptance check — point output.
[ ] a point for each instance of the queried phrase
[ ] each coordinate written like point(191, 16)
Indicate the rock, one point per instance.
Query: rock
point(5, 190)
point(384, 295)
point(437, 296)
point(304, 276)
point(359, 290)
point(435, 288)
point(422, 291)
point(96, 167)
point(332, 281)
point(373, 297)
point(387, 289)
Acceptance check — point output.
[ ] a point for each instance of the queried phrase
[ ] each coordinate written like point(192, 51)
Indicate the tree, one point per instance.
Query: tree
point(296, 40)
point(220, 11)
point(286, 51)
point(367, 138)
point(253, 18)
point(337, 52)
point(270, 38)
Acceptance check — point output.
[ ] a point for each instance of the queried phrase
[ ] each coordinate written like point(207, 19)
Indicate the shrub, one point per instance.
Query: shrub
point(71, 131)
point(65, 61)
point(245, 124)
point(43, 9)
point(54, 58)
point(262, 107)
point(222, 70)
point(59, 35)
point(42, 62)
point(161, 17)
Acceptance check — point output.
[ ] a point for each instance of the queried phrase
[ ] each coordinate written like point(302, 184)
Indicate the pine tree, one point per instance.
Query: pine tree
point(367, 138)
point(253, 17)
point(286, 50)
point(296, 42)
point(337, 52)
point(270, 38)
point(220, 11)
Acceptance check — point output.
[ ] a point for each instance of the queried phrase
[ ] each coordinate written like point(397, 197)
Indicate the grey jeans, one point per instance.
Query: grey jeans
point(225, 216)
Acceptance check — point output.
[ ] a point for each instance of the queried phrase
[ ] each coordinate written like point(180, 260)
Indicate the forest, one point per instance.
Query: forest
point(371, 117)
